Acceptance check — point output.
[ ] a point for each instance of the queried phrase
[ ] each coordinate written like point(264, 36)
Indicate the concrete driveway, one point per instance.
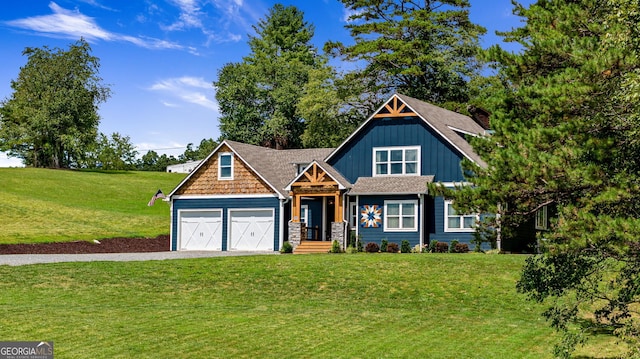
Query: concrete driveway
point(25, 259)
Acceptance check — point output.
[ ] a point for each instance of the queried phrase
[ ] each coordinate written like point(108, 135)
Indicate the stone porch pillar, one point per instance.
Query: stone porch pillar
point(339, 232)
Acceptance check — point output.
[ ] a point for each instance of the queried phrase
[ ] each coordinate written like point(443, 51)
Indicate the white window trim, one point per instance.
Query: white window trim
point(389, 149)
point(402, 202)
point(304, 218)
point(353, 215)
point(220, 166)
point(446, 220)
point(545, 219)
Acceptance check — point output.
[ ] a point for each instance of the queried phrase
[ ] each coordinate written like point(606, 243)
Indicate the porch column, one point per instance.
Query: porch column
point(295, 233)
point(338, 207)
point(295, 207)
point(339, 233)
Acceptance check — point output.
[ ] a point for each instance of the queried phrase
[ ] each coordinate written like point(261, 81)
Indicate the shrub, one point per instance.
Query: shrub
point(359, 243)
point(461, 248)
point(351, 250)
point(286, 248)
point(432, 246)
point(405, 247)
point(383, 245)
point(351, 242)
point(416, 249)
point(392, 247)
point(441, 247)
point(335, 247)
point(453, 245)
point(372, 247)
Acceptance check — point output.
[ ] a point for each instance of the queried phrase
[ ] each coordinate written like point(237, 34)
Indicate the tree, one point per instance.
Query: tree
point(427, 50)
point(326, 108)
point(258, 97)
point(565, 135)
point(113, 153)
point(202, 151)
point(52, 115)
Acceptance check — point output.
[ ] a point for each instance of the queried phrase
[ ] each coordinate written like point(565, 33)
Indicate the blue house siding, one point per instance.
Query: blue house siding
point(225, 204)
point(372, 234)
point(314, 216)
point(439, 234)
point(437, 157)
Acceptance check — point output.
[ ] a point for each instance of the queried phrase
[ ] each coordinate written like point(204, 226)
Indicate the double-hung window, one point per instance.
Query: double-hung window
point(225, 166)
point(396, 161)
point(400, 216)
point(455, 222)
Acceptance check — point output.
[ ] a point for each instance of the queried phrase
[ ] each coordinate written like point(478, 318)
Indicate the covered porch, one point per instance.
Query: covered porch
point(317, 208)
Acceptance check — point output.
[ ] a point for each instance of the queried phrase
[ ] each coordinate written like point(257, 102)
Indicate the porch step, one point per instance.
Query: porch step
point(313, 247)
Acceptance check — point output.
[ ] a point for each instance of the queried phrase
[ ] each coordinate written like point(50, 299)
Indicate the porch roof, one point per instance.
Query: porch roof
point(391, 185)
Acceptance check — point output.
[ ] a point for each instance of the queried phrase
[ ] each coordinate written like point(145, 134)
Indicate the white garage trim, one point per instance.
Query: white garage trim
point(251, 229)
point(200, 229)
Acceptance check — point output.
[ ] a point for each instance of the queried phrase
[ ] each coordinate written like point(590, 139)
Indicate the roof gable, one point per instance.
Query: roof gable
point(316, 172)
point(275, 168)
point(448, 125)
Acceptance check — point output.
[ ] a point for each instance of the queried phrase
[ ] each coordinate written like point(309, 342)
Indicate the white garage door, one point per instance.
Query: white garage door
point(251, 230)
point(201, 230)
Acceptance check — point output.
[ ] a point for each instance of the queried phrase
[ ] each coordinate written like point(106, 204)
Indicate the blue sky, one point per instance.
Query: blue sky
point(160, 57)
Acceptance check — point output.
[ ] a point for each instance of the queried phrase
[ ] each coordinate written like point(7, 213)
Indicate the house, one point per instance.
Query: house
point(186, 167)
point(374, 185)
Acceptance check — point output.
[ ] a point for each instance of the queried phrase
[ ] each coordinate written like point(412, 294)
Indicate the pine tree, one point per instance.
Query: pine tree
point(258, 97)
point(565, 134)
point(424, 49)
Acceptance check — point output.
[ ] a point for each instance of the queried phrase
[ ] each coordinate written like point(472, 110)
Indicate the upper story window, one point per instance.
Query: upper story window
point(225, 166)
point(396, 161)
point(455, 222)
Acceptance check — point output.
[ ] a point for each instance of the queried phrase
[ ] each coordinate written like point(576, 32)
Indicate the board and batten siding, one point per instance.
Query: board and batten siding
point(225, 204)
point(438, 158)
point(373, 234)
point(205, 181)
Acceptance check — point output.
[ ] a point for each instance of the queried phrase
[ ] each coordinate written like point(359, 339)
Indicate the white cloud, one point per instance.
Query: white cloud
point(193, 90)
point(73, 24)
point(347, 14)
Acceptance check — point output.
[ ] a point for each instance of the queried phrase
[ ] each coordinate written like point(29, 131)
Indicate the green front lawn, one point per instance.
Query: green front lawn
point(287, 306)
point(42, 205)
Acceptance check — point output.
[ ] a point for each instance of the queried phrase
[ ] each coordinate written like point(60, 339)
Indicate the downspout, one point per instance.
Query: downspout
point(357, 220)
point(345, 219)
point(171, 227)
point(421, 218)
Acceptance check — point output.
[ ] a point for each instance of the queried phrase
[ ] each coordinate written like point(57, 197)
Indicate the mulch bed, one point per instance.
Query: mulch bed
point(110, 245)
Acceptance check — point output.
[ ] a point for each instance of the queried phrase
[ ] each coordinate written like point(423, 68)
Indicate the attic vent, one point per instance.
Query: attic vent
point(395, 108)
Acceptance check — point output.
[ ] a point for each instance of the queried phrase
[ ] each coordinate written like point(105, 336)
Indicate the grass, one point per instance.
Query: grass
point(287, 306)
point(42, 205)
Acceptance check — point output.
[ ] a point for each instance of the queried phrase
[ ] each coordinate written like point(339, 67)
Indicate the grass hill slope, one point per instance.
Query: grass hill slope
point(42, 205)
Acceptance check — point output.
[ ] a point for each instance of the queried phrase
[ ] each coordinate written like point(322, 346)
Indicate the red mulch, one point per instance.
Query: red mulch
point(110, 245)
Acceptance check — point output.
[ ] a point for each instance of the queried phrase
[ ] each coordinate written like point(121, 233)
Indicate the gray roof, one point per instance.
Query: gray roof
point(445, 121)
point(337, 176)
point(391, 185)
point(277, 167)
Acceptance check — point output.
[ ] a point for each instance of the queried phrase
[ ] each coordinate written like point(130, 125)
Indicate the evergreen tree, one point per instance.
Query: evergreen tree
point(424, 49)
point(259, 96)
point(564, 134)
